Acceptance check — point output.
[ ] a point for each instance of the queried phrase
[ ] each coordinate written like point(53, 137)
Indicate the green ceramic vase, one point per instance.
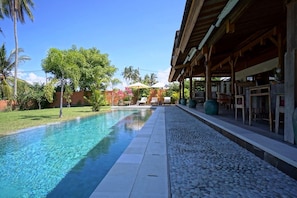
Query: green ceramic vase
point(211, 107)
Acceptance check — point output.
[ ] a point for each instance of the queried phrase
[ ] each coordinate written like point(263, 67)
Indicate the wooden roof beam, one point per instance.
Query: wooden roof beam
point(190, 23)
point(255, 42)
point(182, 66)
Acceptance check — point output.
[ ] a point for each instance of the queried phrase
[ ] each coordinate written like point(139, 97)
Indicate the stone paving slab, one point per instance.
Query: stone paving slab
point(141, 171)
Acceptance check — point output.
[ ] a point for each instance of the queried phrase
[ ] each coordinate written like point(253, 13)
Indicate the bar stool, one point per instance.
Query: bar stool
point(279, 108)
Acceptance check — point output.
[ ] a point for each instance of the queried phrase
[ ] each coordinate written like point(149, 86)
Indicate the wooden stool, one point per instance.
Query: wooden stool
point(279, 108)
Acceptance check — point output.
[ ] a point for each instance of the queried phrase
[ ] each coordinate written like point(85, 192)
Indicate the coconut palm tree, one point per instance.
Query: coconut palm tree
point(5, 68)
point(6, 65)
point(16, 10)
point(131, 74)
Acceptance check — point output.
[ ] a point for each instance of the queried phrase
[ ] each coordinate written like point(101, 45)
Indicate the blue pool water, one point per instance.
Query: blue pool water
point(67, 159)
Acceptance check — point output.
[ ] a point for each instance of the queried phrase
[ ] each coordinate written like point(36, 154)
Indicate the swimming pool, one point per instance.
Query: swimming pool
point(67, 159)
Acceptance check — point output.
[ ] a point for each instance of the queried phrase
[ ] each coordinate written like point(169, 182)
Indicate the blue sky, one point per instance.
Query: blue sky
point(139, 33)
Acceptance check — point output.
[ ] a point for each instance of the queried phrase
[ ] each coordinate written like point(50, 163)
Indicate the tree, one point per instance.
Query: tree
point(92, 66)
point(153, 79)
point(131, 75)
point(67, 94)
point(150, 79)
point(25, 94)
point(63, 65)
point(38, 94)
point(15, 9)
point(6, 65)
point(97, 98)
point(49, 90)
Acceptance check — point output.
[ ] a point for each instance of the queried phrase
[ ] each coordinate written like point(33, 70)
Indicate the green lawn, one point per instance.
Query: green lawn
point(16, 120)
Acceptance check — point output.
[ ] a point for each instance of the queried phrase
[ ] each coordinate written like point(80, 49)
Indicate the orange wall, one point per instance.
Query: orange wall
point(77, 99)
point(4, 104)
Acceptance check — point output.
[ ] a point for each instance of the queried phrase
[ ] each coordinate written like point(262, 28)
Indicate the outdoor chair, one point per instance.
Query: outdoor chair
point(240, 97)
point(167, 100)
point(154, 101)
point(224, 100)
point(143, 101)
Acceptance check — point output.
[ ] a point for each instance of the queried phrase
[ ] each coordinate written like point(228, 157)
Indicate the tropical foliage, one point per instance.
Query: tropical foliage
point(131, 75)
point(64, 65)
point(150, 79)
point(6, 65)
point(84, 69)
point(94, 65)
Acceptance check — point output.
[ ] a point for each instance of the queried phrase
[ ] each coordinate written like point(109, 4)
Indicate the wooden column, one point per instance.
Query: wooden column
point(232, 63)
point(183, 88)
point(207, 63)
point(281, 53)
point(180, 89)
point(191, 87)
point(290, 70)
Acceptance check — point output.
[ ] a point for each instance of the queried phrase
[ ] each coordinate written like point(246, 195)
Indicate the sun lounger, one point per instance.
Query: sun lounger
point(167, 100)
point(154, 101)
point(143, 101)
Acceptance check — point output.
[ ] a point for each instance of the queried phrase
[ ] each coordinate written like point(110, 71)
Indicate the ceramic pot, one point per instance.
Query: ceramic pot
point(183, 101)
point(211, 107)
point(192, 103)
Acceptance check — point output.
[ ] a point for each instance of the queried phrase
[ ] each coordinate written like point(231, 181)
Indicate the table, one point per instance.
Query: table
point(260, 91)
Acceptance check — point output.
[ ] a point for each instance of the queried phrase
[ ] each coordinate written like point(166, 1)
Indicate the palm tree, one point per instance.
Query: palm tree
point(131, 74)
point(128, 73)
point(15, 9)
point(153, 78)
point(7, 64)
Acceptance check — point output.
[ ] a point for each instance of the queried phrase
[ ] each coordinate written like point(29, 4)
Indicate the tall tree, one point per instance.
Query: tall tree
point(6, 65)
point(131, 75)
point(92, 66)
point(153, 79)
point(64, 66)
point(150, 79)
point(16, 10)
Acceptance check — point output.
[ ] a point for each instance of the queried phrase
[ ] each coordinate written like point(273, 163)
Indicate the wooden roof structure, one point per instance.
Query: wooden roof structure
point(230, 35)
point(237, 39)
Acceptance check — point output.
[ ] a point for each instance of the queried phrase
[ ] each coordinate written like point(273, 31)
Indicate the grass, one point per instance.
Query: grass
point(12, 121)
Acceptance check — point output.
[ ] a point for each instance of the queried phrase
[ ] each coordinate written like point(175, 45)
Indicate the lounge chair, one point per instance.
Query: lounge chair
point(154, 101)
point(167, 100)
point(143, 100)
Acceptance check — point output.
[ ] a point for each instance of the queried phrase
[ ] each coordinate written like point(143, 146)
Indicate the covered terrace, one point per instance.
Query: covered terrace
point(246, 40)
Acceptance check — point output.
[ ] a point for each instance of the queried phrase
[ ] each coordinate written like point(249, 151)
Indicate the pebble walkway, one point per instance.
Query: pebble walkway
point(204, 163)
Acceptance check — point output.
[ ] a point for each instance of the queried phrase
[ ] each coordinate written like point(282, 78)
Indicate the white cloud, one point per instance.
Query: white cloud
point(163, 75)
point(32, 78)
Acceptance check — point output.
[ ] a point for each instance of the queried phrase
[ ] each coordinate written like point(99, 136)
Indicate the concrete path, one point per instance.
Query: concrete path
point(141, 171)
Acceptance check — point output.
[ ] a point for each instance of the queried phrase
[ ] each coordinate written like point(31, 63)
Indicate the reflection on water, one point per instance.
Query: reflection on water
point(136, 121)
point(82, 180)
